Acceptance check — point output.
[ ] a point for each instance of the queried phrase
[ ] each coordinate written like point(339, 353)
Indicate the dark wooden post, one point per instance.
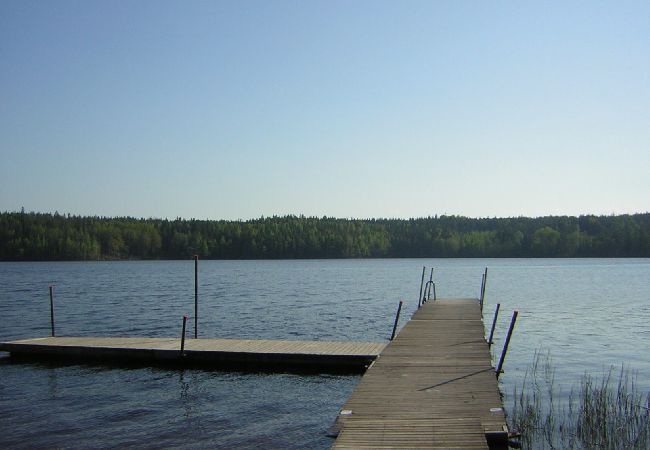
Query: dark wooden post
point(505, 346)
point(183, 336)
point(424, 268)
point(196, 296)
point(52, 308)
point(483, 285)
point(399, 309)
point(427, 288)
point(494, 323)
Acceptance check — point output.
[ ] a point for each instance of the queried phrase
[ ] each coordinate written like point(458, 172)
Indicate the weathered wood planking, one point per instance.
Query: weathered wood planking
point(412, 434)
point(220, 353)
point(432, 387)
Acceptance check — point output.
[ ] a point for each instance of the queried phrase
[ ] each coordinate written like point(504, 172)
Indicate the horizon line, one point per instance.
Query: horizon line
point(303, 216)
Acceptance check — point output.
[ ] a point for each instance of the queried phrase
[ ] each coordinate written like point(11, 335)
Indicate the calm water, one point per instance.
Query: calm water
point(590, 313)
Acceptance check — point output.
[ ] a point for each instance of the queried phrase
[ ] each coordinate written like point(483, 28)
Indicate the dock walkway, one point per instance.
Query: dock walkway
point(432, 387)
point(217, 353)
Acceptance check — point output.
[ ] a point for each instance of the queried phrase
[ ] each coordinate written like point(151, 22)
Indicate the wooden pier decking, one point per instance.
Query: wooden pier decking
point(218, 353)
point(432, 387)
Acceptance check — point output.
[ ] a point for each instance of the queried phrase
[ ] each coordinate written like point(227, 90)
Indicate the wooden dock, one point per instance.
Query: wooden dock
point(217, 353)
point(432, 387)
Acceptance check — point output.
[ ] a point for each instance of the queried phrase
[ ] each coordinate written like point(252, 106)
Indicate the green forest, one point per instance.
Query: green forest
point(29, 236)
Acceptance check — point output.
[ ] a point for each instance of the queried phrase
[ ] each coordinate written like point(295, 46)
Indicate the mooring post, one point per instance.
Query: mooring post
point(427, 288)
point(505, 345)
point(52, 308)
point(196, 296)
point(494, 323)
point(483, 285)
point(424, 268)
point(183, 335)
point(399, 309)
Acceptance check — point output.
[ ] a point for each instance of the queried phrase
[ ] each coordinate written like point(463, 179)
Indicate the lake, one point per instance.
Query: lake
point(590, 314)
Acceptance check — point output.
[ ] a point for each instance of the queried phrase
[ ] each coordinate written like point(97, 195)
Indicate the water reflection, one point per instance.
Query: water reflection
point(53, 383)
point(186, 401)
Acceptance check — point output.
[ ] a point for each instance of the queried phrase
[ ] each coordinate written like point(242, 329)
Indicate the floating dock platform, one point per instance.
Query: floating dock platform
point(212, 353)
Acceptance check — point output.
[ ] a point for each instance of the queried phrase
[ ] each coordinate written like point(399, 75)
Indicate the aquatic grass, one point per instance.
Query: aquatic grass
point(601, 413)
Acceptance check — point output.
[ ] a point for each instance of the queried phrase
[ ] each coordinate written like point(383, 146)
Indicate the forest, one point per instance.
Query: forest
point(31, 236)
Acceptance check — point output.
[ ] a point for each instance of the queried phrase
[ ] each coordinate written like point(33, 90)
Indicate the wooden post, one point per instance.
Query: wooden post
point(399, 309)
point(483, 285)
point(52, 308)
point(424, 268)
point(196, 296)
point(494, 323)
point(183, 336)
point(427, 288)
point(505, 346)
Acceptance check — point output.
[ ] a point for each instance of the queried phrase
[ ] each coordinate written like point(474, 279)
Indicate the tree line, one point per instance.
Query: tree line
point(44, 237)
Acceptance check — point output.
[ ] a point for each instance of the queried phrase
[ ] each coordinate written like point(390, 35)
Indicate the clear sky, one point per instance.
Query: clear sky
point(238, 109)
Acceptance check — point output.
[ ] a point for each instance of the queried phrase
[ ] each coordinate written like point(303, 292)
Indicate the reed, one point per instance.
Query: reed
point(608, 412)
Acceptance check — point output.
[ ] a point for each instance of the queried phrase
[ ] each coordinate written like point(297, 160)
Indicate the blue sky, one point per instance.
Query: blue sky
point(229, 110)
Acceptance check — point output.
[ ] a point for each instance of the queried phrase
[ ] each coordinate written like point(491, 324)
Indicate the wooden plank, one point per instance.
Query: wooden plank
point(432, 387)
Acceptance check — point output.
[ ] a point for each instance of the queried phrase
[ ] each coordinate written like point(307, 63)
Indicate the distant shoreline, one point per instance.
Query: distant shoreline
point(54, 237)
point(323, 259)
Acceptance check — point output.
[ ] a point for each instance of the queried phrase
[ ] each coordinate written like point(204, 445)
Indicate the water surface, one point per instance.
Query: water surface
point(590, 313)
